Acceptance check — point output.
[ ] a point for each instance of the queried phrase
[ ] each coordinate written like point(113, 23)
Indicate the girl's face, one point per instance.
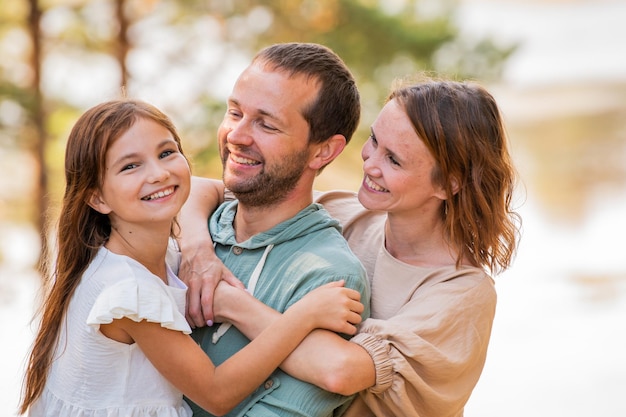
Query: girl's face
point(147, 179)
point(397, 167)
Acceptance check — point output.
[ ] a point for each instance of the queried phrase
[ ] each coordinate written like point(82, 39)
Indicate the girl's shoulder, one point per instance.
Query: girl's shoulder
point(125, 288)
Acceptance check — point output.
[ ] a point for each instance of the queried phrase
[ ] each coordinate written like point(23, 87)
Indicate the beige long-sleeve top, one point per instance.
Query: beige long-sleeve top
point(429, 327)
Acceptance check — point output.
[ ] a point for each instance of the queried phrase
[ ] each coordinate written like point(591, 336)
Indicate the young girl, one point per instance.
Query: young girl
point(113, 338)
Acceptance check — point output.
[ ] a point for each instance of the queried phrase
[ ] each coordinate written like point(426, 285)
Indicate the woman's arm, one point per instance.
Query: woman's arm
point(200, 269)
point(430, 354)
point(220, 388)
point(323, 358)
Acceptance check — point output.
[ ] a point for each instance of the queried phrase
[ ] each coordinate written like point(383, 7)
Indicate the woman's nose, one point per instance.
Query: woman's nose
point(368, 166)
point(366, 155)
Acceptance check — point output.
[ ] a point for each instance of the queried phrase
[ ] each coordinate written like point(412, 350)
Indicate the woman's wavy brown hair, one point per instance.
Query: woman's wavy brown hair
point(461, 125)
point(81, 229)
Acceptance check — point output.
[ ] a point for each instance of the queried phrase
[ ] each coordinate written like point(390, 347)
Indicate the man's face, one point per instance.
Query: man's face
point(263, 137)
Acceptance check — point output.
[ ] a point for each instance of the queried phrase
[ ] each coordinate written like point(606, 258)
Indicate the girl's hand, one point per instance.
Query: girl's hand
point(332, 307)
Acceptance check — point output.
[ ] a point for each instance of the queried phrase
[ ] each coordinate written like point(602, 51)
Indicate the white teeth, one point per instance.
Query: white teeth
point(245, 161)
point(373, 185)
point(159, 194)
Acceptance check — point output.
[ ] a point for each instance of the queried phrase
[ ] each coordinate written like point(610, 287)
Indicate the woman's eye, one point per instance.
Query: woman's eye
point(393, 160)
point(373, 139)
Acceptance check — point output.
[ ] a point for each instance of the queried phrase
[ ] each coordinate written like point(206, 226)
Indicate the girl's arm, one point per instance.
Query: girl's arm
point(219, 389)
point(200, 269)
point(323, 358)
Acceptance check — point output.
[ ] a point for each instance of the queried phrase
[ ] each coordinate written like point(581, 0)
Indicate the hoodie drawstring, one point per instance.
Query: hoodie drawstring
point(254, 278)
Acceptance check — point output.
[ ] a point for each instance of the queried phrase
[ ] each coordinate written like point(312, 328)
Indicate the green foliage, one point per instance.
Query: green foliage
point(200, 144)
point(376, 44)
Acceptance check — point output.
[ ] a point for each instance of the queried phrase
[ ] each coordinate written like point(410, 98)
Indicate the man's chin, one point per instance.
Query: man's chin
point(239, 187)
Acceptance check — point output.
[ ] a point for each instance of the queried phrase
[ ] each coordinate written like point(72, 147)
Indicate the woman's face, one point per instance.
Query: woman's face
point(398, 167)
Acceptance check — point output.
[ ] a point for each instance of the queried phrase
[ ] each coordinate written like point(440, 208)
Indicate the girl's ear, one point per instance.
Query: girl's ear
point(97, 203)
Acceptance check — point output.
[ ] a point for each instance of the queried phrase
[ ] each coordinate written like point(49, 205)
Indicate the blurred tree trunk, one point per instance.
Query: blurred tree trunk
point(122, 44)
point(39, 142)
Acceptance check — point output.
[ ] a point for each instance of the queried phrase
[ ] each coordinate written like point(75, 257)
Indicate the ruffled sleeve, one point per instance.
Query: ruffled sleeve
point(140, 300)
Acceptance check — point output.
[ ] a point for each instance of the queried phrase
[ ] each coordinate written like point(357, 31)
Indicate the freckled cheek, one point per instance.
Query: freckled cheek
point(406, 182)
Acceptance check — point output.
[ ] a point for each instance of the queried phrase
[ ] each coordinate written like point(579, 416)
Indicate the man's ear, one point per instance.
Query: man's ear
point(326, 152)
point(97, 203)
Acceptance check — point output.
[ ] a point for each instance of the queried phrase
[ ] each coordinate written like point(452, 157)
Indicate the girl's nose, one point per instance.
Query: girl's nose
point(158, 173)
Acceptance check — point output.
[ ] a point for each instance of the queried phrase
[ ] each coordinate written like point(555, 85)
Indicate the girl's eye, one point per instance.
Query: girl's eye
point(165, 154)
point(129, 166)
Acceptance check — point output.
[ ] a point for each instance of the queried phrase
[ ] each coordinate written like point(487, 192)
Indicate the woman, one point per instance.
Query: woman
point(432, 223)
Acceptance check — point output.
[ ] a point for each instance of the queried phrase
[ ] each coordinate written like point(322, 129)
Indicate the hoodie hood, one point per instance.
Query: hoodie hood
point(309, 220)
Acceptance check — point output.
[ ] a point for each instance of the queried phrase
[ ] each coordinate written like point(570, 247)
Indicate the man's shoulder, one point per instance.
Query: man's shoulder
point(330, 244)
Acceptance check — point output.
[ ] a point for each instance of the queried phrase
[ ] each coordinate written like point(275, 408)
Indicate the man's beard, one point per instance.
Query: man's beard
point(272, 184)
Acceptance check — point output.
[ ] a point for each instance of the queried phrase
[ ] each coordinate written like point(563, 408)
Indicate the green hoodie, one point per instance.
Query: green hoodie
point(305, 252)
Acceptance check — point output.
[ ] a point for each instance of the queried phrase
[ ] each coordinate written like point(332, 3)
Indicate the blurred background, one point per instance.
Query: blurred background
point(557, 68)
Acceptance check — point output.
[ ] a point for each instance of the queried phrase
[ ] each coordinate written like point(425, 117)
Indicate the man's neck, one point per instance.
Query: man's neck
point(250, 220)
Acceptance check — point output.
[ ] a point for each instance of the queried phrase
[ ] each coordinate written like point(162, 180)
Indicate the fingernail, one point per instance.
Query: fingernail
point(209, 323)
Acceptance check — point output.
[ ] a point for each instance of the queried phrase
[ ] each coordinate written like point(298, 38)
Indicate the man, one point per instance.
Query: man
point(291, 112)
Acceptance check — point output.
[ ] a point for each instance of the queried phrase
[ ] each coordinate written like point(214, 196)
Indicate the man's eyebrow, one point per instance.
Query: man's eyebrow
point(262, 112)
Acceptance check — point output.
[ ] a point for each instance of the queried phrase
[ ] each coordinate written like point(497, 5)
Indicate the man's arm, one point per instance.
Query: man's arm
point(200, 269)
point(323, 358)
